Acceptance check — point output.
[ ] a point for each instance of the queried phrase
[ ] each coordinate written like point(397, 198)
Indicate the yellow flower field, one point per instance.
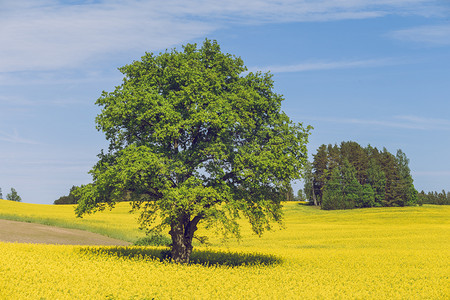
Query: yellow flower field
point(377, 253)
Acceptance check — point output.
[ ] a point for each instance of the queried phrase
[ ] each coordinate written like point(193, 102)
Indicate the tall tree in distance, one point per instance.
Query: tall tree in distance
point(192, 139)
point(334, 158)
point(405, 176)
point(394, 186)
point(377, 180)
point(13, 196)
point(352, 189)
point(308, 180)
point(320, 167)
point(300, 196)
point(289, 194)
point(333, 194)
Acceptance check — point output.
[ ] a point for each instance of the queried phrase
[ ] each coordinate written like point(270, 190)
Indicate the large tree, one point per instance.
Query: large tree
point(194, 138)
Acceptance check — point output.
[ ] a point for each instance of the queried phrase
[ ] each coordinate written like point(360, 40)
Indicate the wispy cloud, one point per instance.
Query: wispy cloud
point(257, 11)
point(14, 101)
point(48, 34)
point(15, 138)
point(54, 36)
point(430, 35)
point(402, 122)
point(326, 65)
point(426, 123)
point(431, 173)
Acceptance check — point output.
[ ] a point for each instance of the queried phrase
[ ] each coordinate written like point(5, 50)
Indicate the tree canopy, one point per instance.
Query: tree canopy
point(194, 138)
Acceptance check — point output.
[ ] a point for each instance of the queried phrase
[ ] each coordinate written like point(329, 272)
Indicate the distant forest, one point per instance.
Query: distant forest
point(442, 198)
point(350, 176)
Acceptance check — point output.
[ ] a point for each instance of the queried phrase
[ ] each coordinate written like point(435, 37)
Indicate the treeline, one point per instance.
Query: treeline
point(350, 176)
point(73, 199)
point(442, 198)
point(289, 195)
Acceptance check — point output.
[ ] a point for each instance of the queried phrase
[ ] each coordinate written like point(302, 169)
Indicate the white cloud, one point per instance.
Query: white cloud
point(15, 138)
point(426, 123)
point(430, 35)
point(14, 101)
point(48, 35)
point(324, 65)
point(36, 78)
point(403, 122)
point(431, 173)
point(303, 10)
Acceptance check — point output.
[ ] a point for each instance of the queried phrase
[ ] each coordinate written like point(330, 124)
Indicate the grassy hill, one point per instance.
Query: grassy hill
point(377, 253)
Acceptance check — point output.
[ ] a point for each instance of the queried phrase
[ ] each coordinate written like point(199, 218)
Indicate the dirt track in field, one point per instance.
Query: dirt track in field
point(22, 232)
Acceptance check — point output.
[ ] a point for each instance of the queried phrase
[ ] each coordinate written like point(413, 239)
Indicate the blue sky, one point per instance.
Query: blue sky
point(375, 72)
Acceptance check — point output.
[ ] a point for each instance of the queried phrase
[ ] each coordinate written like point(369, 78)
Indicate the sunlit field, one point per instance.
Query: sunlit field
point(376, 253)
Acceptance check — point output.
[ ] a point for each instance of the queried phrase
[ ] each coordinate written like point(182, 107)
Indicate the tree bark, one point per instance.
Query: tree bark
point(182, 233)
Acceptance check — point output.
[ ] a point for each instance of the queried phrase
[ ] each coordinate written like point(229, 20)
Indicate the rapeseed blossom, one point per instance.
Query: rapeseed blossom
point(378, 253)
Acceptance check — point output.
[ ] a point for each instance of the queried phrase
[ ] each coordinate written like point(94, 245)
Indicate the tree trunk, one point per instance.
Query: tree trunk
point(182, 233)
point(314, 195)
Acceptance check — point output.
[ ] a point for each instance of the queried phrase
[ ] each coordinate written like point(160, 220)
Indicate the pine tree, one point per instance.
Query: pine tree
point(405, 176)
point(356, 155)
point(377, 180)
point(352, 190)
point(308, 181)
point(394, 190)
point(320, 165)
point(333, 197)
point(334, 157)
